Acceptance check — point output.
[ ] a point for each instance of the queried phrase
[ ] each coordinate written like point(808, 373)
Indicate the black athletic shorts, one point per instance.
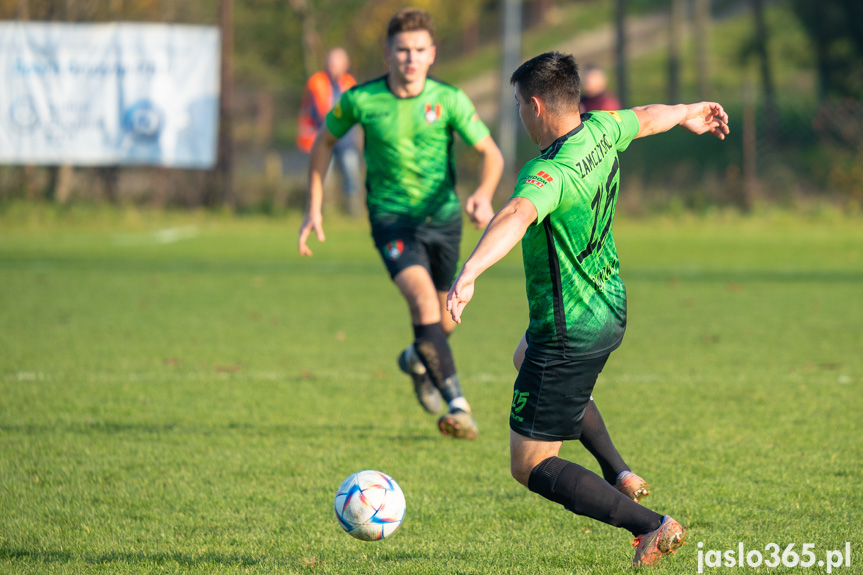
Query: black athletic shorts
point(435, 247)
point(550, 396)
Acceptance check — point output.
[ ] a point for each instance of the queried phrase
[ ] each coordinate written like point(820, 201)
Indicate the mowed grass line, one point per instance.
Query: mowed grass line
point(191, 405)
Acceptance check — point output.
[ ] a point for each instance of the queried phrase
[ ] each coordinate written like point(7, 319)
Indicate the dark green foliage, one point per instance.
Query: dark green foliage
point(836, 30)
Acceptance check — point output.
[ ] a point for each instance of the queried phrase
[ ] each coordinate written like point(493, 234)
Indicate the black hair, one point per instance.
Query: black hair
point(553, 78)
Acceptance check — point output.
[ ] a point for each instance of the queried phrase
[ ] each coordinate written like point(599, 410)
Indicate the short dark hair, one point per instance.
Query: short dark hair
point(552, 77)
point(410, 20)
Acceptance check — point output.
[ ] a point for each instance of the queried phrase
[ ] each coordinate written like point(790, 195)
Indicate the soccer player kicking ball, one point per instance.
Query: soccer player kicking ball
point(562, 211)
point(409, 121)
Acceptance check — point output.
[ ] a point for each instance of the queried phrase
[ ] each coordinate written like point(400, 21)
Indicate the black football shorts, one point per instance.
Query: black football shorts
point(551, 394)
point(433, 246)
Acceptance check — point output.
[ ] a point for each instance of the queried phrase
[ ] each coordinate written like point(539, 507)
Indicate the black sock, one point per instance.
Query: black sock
point(586, 493)
point(595, 437)
point(430, 343)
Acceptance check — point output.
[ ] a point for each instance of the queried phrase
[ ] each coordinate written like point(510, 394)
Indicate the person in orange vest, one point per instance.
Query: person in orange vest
point(322, 91)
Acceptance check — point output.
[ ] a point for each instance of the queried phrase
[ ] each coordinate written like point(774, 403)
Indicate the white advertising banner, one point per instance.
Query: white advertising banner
point(109, 94)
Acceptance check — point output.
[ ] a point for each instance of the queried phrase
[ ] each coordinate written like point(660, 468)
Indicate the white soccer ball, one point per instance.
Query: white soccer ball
point(370, 505)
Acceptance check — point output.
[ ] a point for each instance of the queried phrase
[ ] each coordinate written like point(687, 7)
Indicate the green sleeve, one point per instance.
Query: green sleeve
point(343, 115)
point(621, 125)
point(466, 122)
point(541, 184)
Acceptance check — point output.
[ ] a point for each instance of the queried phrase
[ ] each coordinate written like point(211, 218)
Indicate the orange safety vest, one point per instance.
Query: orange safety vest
point(317, 101)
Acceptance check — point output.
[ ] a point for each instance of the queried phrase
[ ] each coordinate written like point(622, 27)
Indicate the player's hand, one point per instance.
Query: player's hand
point(706, 117)
point(458, 296)
point(310, 222)
point(479, 210)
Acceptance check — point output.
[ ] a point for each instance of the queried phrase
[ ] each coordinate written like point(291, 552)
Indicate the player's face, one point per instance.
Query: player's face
point(528, 116)
point(410, 55)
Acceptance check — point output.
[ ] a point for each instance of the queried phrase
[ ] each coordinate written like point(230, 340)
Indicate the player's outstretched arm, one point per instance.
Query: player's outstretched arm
point(478, 206)
point(319, 163)
point(700, 118)
point(503, 233)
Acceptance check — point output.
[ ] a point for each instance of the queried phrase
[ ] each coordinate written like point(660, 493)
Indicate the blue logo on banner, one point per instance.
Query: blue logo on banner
point(143, 120)
point(23, 113)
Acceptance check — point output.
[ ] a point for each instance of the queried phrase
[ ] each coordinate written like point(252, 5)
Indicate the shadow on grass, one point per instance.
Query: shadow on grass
point(696, 274)
point(189, 559)
point(719, 276)
point(295, 431)
point(184, 266)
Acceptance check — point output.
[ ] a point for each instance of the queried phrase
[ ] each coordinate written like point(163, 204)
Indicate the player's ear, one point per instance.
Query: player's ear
point(432, 53)
point(537, 106)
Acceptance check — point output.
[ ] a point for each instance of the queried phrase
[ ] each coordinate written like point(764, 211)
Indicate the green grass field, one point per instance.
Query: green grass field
point(182, 394)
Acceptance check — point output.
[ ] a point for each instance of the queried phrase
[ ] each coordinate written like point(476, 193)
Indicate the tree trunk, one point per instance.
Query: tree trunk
point(542, 9)
point(750, 151)
point(770, 111)
point(675, 38)
point(469, 36)
point(61, 182)
point(109, 177)
point(169, 10)
point(311, 42)
point(264, 118)
point(219, 190)
point(621, 53)
point(702, 43)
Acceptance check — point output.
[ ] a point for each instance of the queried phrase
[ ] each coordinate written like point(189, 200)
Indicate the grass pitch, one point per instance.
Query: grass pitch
point(183, 394)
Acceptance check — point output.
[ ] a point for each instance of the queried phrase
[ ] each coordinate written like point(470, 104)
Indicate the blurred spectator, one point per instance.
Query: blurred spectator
point(594, 91)
point(322, 91)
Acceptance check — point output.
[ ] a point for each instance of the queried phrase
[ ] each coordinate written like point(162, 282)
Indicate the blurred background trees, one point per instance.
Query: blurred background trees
point(789, 71)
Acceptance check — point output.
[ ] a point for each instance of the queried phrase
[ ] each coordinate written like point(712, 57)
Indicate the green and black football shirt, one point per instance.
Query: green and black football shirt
point(576, 297)
point(410, 175)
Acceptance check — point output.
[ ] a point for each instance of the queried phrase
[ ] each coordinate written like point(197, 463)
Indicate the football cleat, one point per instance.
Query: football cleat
point(458, 424)
point(427, 394)
point(653, 546)
point(632, 486)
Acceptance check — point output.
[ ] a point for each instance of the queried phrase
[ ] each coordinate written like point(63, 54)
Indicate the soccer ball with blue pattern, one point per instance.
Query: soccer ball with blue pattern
point(370, 505)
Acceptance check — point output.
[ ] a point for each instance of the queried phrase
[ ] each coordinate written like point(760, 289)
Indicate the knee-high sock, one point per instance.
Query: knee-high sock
point(586, 493)
point(595, 437)
point(430, 343)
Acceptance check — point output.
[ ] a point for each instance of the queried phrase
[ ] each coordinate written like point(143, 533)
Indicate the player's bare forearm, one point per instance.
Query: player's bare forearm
point(492, 168)
point(478, 205)
point(658, 118)
point(319, 162)
point(503, 233)
point(699, 118)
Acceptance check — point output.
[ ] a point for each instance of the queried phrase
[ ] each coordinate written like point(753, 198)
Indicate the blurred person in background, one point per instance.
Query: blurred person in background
point(409, 122)
point(322, 92)
point(594, 91)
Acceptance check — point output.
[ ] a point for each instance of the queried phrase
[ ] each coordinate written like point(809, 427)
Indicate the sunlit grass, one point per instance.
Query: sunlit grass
point(189, 403)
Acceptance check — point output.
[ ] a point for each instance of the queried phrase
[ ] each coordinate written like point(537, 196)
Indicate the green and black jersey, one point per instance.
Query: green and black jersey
point(409, 147)
point(576, 297)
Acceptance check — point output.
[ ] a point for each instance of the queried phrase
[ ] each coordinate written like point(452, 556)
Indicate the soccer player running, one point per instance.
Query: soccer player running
point(409, 121)
point(562, 211)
